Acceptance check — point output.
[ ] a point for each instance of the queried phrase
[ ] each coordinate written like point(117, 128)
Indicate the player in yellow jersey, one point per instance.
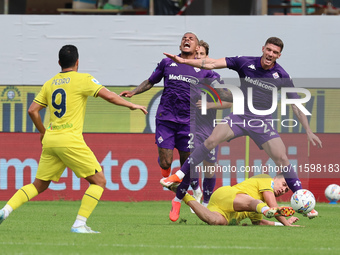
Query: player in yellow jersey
point(62, 142)
point(251, 199)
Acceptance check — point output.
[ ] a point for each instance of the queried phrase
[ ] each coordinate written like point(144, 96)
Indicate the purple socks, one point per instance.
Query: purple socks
point(194, 159)
point(208, 188)
point(291, 178)
point(183, 187)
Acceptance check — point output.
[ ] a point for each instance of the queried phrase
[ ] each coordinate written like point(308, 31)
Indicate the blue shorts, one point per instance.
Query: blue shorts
point(258, 129)
point(170, 135)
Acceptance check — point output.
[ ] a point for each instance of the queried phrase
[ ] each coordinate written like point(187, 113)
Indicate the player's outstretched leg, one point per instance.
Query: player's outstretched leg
point(165, 172)
point(208, 188)
point(175, 209)
point(197, 194)
point(194, 159)
point(196, 190)
point(84, 229)
point(2, 215)
point(20, 197)
point(285, 211)
point(171, 180)
point(88, 203)
point(292, 178)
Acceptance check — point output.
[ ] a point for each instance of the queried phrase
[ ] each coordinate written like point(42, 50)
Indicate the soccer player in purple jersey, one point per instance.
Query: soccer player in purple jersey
point(204, 127)
point(254, 72)
point(196, 126)
point(173, 113)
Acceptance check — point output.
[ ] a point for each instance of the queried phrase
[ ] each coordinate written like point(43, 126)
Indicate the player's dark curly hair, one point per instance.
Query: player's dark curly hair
point(68, 56)
point(276, 41)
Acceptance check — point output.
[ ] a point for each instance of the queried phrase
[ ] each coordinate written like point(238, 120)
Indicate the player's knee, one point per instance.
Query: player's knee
point(102, 183)
point(98, 179)
point(40, 185)
point(210, 143)
point(281, 160)
point(165, 164)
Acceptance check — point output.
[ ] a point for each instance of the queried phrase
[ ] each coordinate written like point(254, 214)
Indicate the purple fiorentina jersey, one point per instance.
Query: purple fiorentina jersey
point(262, 81)
point(205, 123)
point(180, 82)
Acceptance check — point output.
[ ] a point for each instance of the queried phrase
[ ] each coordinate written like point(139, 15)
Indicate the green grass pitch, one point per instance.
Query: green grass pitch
point(144, 228)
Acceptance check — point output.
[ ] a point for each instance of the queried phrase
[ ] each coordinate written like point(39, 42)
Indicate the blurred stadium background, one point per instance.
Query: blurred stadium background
point(122, 48)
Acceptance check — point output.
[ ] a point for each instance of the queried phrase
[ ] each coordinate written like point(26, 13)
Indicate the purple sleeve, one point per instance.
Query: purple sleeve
point(288, 83)
point(232, 63)
point(158, 73)
point(216, 78)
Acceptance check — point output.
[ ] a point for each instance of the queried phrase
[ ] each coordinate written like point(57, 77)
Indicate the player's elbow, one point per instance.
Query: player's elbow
point(32, 111)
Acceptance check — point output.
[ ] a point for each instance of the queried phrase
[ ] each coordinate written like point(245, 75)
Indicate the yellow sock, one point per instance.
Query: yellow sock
point(90, 200)
point(188, 198)
point(260, 206)
point(23, 195)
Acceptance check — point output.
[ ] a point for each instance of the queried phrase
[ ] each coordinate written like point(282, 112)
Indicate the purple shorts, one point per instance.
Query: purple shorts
point(257, 128)
point(170, 135)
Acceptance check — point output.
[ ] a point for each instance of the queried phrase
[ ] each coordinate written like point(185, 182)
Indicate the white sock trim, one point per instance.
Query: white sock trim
point(180, 174)
point(81, 218)
point(177, 200)
point(80, 221)
point(7, 210)
point(264, 208)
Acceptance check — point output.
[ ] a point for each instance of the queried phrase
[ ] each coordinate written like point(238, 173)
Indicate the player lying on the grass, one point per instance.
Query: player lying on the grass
point(251, 199)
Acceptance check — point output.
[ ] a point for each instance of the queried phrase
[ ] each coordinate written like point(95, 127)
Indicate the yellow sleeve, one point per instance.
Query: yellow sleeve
point(92, 86)
point(266, 184)
point(41, 98)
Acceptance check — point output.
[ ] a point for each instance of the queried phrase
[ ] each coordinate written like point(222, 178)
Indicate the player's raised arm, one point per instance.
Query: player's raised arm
point(144, 86)
point(117, 100)
point(204, 63)
point(304, 122)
